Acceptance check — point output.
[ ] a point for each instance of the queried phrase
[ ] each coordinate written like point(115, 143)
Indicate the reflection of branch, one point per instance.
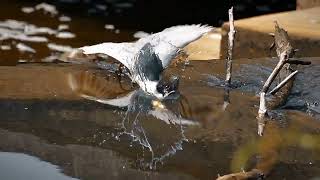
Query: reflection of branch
point(272, 145)
point(226, 98)
point(253, 174)
point(231, 35)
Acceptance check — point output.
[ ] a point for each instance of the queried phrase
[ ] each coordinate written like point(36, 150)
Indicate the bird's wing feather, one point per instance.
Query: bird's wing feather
point(182, 35)
point(117, 102)
point(123, 52)
point(166, 52)
point(168, 42)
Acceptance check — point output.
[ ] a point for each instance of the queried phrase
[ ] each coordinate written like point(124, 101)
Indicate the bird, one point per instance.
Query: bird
point(149, 56)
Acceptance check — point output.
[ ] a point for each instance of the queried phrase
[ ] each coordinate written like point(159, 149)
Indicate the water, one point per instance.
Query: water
point(74, 121)
point(26, 166)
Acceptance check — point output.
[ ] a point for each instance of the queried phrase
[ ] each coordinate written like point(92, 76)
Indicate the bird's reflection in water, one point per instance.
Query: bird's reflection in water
point(144, 115)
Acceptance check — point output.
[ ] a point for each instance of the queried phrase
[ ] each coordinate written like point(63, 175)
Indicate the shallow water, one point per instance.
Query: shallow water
point(196, 135)
point(50, 114)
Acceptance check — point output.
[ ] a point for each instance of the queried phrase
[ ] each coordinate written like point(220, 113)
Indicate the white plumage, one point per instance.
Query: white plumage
point(165, 44)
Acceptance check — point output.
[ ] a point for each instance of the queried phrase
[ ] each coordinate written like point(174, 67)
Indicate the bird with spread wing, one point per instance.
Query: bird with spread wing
point(149, 56)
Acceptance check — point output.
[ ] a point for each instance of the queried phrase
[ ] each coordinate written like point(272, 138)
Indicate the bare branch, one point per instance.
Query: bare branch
point(275, 72)
point(231, 35)
point(284, 51)
point(263, 106)
point(226, 99)
point(284, 82)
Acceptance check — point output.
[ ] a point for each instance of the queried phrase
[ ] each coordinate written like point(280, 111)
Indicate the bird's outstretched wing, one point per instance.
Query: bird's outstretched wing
point(168, 42)
point(123, 52)
point(182, 35)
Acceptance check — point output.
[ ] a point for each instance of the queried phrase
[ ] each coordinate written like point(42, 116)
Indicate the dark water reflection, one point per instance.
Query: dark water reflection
point(126, 133)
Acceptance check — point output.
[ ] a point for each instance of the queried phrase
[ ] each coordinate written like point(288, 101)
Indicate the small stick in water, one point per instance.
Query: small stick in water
point(262, 113)
point(275, 72)
point(284, 51)
point(284, 82)
point(231, 35)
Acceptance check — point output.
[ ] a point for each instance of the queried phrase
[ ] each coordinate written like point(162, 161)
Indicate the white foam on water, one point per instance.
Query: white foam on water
point(109, 26)
point(60, 48)
point(5, 47)
point(25, 48)
point(140, 34)
point(65, 35)
point(27, 10)
point(64, 18)
point(62, 27)
point(47, 8)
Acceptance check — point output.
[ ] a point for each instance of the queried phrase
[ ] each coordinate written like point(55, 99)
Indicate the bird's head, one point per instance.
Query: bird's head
point(165, 88)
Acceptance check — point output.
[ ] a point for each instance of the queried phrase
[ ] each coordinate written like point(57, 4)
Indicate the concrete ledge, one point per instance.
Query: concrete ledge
point(207, 47)
point(253, 39)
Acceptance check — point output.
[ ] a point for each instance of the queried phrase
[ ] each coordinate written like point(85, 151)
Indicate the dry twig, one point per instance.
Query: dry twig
point(284, 51)
point(231, 35)
point(284, 82)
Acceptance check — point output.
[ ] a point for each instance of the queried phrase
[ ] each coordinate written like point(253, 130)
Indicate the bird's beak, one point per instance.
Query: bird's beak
point(158, 104)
